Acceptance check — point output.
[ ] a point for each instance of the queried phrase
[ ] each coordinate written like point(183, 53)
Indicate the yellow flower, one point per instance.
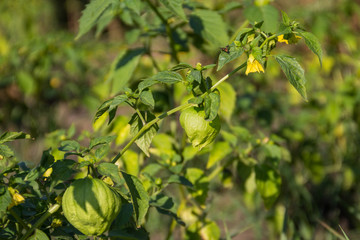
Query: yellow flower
point(56, 222)
point(16, 197)
point(58, 199)
point(282, 39)
point(253, 65)
point(289, 38)
point(47, 173)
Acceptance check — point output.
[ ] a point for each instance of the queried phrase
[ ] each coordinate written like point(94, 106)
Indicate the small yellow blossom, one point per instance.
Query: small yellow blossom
point(56, 222)
point(282, 39)
point(58, 199)
point(47, 173)
point(17, 198)
point(253, 65)
point(292, 38)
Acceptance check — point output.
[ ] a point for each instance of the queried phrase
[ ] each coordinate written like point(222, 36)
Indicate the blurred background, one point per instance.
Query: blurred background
point(51, 86)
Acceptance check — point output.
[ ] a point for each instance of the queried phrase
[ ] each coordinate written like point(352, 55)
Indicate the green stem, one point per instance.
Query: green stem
point(169, 30)
point(227, 76)
point(160, 117)
point(148, 125)
point(42, 219)
point(268, 39)
point(141, 117)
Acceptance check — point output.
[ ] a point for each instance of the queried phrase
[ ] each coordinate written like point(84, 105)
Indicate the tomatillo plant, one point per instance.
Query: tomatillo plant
point(107, 191)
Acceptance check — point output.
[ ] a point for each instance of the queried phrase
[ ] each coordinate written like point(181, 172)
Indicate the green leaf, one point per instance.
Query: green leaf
point(131, 162)
point(229, 137)
point(146, 83)
point(101, 152)
point(313, 44)
point(129, 233)
point(180, 180)
point(110, 105)
point(200, 182)
point(266, 13)
point(257, 53)
point(106, 17)
point(134, 5)
point(123, 68)
point(110, 170)
point(69, 146)
point(210, 26)
point(101, 140)
point(294, 73)
point(194, 75)
point(26, 82)
point(39, 235)
point(212, 105)
point(62, 172)
point(218, 152)
point(168, 77)
point(162, 201)
point(180, 66)
point(5, 200)
point(152, 169)
point(144, 141)
point(6, 153)
point(210, 231)
point(11, 136)
point(203, 229)
point(165, 205)
point(175, 6)
point(46, 160)
point(209, 66)
point(227, 100)
point(147, 98)
point(268, 183)
point(196, 100)
point(229, 6)
point(234, 53)
point(285, 18)
point(91, 15)
point(139, 197)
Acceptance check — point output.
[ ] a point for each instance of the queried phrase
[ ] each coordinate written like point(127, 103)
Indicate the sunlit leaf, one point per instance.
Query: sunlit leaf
point(294, 73)
point(139, 197)
point(200, 184)
point(38, 235)
point(266, 13)
point(147, 98)
point(144, 141)
point(219, 151)
point(180, 180)
point(313, 43)
point(233, 53)
point(210, 26)
point(131, 162)
point(91, 14)
point(110, 170)
point(268, 183)
point(168, 77)
point(175, 6)
point(101, 140)
point(212, 105)
point(227, 100)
